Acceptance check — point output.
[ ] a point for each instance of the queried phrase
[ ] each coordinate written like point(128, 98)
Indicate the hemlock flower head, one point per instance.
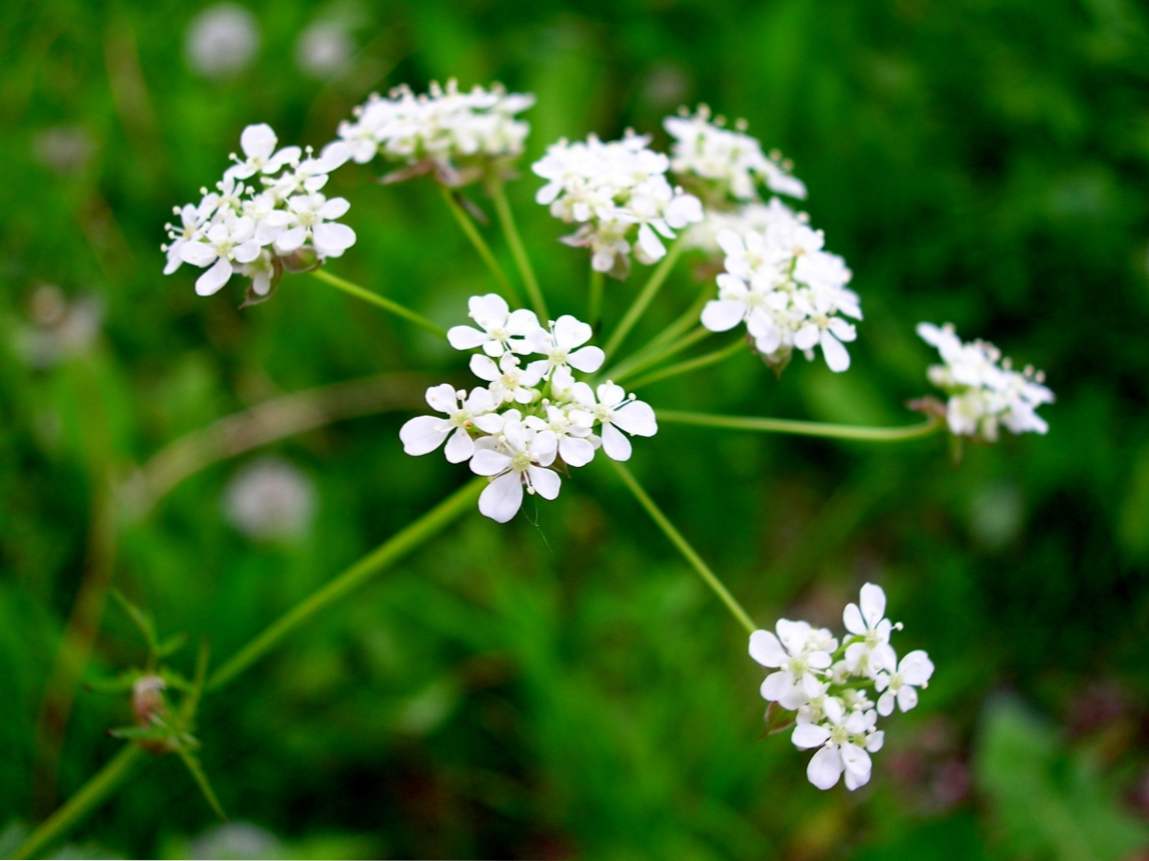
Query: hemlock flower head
point(618, 195)
point(790, 293)
point(266, 215)
point(837, 701)
point(533, 416)
point(722, 163)
point(459, 136)
point(984, 391)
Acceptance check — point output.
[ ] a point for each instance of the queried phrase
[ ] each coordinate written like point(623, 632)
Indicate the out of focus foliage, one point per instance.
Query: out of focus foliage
point(563, 686)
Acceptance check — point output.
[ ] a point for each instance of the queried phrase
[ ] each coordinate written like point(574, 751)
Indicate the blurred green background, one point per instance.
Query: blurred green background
point(563, 686)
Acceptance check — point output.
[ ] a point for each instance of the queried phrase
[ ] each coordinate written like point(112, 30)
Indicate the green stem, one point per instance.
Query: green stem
point(649, 291)
point(518, 251)
point(90, 796)
point(388, 305)
point(398, 545)
point(472, 232)
point(595, 308)
point(688, 552)
point(640, 362)
point(694, 364)
point(818, 429)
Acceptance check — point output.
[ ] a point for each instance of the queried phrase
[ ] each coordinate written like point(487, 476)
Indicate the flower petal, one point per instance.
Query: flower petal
point(460, 446)
point(636, 418)
point(587, 359)
point(873, 603)
point(487, 461)
point(720, 315)
point(546, 482)
point(615, 443)
point(825, 768)
point(423, 434)
point(502, 498)
point(766, 649)
point(213, 279)
point(466, 338)
point(916, 668)
point(809, 735)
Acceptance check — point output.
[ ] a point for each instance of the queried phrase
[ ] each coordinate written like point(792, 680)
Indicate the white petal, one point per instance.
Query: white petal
point(487, 461)
point(258, 140)
point(886, 704)
point(587, 359)
point(650, 244)
point(571, 332)
point(825, 768)
point(489, 310)
point(720, 315)
point(442, 398)
point(806, 337)
point(766, 649)
point(197, 253)
point(907, 698)
point(875, 740)
point(213, 279)
point(423, 434)
point(460, 446)
point(837, 359)
point(290, 240)
point(916, 668)
point(576, 451)
point(873, 604)
point(246, 252)
point(331, 239)
point(502, 498)
point(484, 368)
point(855, 760)
point(776, 685)
point(808, 735)
point(610, 394)
point(546, 482)
point(335, 208)
point(852, 619)
point(615, 443)
point(636, 418)
point(466, 337)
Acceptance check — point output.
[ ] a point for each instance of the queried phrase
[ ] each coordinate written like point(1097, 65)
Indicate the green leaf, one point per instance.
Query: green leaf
point(200, 778)
point(142, 621)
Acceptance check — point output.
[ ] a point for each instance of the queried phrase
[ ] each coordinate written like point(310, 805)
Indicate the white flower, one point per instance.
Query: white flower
point(260, 156)
point(227, 242)
point(509, 380)
point(562, 345)
point(797, 666)
point(517, 458)
point(842, 739)
point(618, 195)
point(914, 671)
point(458, 135)
point(571, 425)
point(193, 217)
point(313, 217)
point(730, 162)
point(500, 330)
point(222, 40)
point(790, 293)
point(619, 414)
point(424, 434)
point(870, 650)
point(324, 48)
point(984, 390)
point(270, 499)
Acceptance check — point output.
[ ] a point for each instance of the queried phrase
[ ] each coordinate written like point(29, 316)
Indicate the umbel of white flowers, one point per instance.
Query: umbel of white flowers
point(837, 689)
point(458, 136)
point(618, 195)
point(532, 415)
point(984, 390)
point(265, 216)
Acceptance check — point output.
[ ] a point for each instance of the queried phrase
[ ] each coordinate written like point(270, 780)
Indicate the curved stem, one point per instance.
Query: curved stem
point(694, 364)
point(467, 224)
point(395, 547)
point(803, 428)
point(653, 357)
point(388, 305)
point(649, 291)
point(522, 261)
point(595, 302)
point(688, 552)
point(90, 796)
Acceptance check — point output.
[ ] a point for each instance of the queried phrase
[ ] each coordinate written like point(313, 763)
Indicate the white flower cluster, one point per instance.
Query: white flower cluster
point(266, 215)
point(532, 415)
point(838, 689)
point(786, 288)
point(458, 135)
point(725, 163)
point(618, 195)
point(984, 391)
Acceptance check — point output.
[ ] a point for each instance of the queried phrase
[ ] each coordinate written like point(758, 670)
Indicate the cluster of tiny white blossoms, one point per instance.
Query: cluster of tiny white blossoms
point(457, 135)
point(838, 689)
point(984, 390)
point(265, 216)
point(720, 163)
point(532, 415)
point(618, 194)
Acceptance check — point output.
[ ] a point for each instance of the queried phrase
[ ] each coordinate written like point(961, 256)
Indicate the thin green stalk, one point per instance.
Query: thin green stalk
point(595, 307)
point(653, 357)
point(688, 552)
point(687, 319)
point(522, 261)
point(388, 305)
point(90, 796)
point(472, 232)
point(801, 428)
point(648, 292)
point(694, 364)
point(395, 547)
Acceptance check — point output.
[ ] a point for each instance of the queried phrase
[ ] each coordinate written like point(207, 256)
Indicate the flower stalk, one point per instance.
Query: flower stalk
point(388, 305)
point(685, 367)
point(467, 225)
point(518, 250)
point(802, 428)
point(644, 298)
